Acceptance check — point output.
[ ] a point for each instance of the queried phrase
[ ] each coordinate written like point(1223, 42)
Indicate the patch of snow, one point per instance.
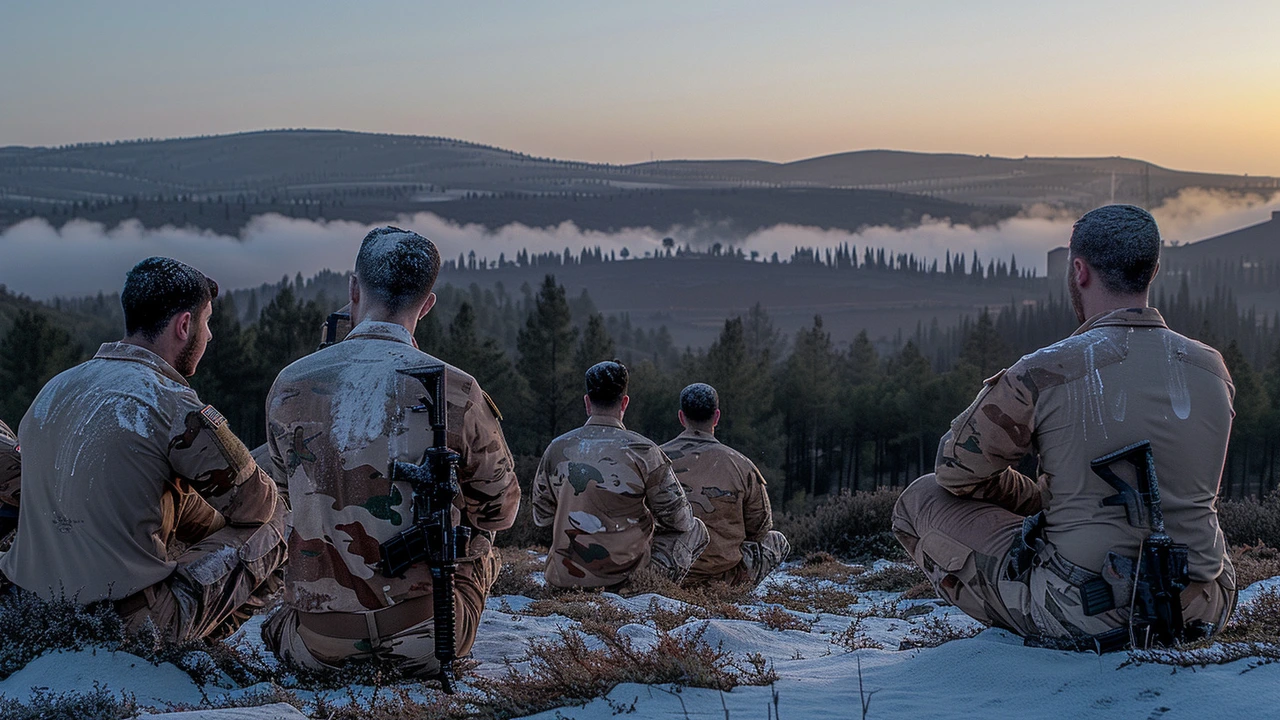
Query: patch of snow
point(68, 671)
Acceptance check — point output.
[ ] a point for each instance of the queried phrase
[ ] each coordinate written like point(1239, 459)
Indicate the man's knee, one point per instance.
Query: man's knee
point(675, 553)
point(908, 509)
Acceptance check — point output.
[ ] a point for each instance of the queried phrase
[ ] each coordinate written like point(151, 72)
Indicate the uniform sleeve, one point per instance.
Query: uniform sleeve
point(490, 490)
point(977, 456)
point(666, 499)
point(204, 452)
point(757, 514)
point(543, 500)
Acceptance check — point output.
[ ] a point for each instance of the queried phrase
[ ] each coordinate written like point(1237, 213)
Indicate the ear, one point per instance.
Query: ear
point(183, 324)
point(427, 304)
point(1081, 271)
point(715, 418)
point(680, 417)
point(1155, 272)
point(353, 289)
point(586, 402)
point(626, 400)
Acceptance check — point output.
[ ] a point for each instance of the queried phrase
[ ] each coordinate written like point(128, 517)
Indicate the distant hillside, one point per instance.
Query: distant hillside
point(217, 181)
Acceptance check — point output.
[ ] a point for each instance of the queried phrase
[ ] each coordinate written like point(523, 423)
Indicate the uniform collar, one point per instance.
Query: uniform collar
point(607, 420)
point(697, 435)
point(1125, 317)
point(139, 354)
point(378, 330)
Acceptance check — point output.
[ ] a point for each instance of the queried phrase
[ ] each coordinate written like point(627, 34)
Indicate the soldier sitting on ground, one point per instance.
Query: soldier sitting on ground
point(337, 419)
point(137, 493)
point(727, 493)
point(1123, 378)
point(614, 504)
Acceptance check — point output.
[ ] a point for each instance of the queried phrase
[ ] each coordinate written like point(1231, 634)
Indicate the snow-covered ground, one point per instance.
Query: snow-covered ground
point(991, 675)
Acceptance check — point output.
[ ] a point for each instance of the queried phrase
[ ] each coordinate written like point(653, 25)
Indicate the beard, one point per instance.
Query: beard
point(189, 357)
point(1077, 303)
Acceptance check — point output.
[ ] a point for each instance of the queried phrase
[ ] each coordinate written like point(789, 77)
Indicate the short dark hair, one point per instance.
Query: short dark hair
point(398, 267)
point(158, 289)
point(607, 383)
point(1120, 242)
point(699, 402)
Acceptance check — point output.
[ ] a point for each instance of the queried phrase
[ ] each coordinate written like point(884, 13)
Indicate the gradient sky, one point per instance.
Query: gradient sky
point(1188, 85)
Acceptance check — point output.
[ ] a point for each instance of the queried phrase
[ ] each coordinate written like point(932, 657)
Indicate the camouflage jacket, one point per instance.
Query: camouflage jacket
point(727, 492)
point(337, 418)
point(10, 466)
point(1122, 378)
point(100, 444)
point(605, 490)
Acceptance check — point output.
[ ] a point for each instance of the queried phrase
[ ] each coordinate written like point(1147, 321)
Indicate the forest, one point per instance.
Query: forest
point(819, 414)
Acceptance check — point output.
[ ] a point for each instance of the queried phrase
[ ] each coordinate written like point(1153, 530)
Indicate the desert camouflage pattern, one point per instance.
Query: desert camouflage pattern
point(336, 420)
point(136, 491)
point(727, 493)
point(615, 507)
point(1122, 378)
point(413, 648)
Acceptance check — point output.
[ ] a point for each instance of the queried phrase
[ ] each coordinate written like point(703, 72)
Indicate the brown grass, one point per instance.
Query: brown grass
point(825, 566)
point(516, 576)
point(935, 631)
point(810, 597)
point(1254, 563)
point(893, 578)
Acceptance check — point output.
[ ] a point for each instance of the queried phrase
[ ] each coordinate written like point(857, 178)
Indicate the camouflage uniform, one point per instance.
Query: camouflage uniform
point(615, 507)
point(1122, 378)
point(136, 492)
point(727, 493)
point(336, 420)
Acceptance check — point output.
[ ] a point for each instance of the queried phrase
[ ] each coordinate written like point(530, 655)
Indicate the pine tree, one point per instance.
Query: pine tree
point(596, 346)
point(546, 346)
point(32, 352)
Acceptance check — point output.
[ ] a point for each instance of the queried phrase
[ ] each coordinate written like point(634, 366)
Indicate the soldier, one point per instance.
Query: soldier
point(727, 493)
point(611, 497)
point(134, 491)
point(337, 419)
point(1124, 377)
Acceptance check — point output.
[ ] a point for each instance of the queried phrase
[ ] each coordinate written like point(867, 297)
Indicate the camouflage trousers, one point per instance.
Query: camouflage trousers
point(224, 573)
point(672, 554)
point(758, 560)
point(412, 648)
point(965, 548)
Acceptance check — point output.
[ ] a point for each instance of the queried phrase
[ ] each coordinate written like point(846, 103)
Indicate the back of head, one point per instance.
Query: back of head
point(607, 383)
point(159, 288)
point(699, 402)
point(1121, 243)
point(397, 267)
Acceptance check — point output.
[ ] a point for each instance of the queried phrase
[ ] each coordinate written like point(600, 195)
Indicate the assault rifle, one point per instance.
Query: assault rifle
point(433, 538)
point(331, 328)
point(1161, 572)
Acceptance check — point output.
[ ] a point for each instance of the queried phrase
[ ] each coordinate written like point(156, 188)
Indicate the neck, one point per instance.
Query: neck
point(613, 412)
point(1107, 303)
point(707, 428)
point(406, 320)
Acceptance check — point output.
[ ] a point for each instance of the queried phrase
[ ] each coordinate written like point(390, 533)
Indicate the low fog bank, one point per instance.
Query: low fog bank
point(84, 258)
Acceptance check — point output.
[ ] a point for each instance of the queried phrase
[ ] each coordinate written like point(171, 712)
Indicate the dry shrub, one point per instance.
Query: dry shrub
point(825, 566)
point(1251, 522)
point(98, 704)
point(1254, 563)
point(516, 576)
point(582, 605)
point(853, 638)
point(810, 597)
point(850, 525)
point(920, 591)
point(564, 670)
point(775, 618)
point(934, 631)
point(898, 577)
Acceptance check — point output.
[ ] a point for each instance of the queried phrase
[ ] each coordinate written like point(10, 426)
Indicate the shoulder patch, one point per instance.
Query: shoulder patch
point(213, 417)
point(492, 405)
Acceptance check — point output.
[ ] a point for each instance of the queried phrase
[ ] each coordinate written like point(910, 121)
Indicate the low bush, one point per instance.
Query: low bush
point(847, 525)
point(1250, 521)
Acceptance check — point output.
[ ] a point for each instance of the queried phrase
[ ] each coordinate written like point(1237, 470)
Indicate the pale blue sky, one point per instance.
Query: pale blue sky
point(1192, 85)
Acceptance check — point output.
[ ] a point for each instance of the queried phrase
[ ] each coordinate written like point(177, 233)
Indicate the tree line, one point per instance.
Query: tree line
point(819, 414)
